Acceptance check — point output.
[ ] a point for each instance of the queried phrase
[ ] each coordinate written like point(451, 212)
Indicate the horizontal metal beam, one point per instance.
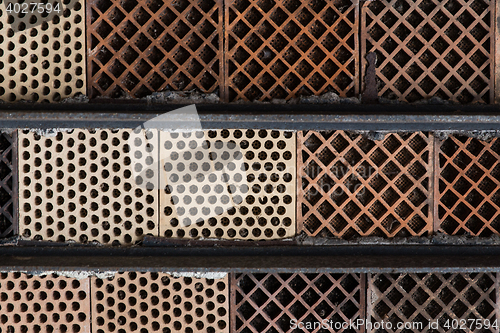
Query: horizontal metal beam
point(261, 116)
point(358, 259)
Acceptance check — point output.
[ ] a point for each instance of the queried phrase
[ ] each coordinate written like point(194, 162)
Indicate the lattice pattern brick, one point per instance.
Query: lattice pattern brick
point(429, 48)
point(352, 186)
point(268, 302)
point(150, 302)
point(421, 298)
point(79, 186)
point(42, 56)
point(244, 180)
point(8, 183)
point(139, 47)
point(288, 48)
point(469, 186)
point(44, 303)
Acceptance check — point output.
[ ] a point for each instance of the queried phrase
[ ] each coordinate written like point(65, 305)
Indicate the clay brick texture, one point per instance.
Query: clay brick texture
point(290, 48)
point(47, 303)
point(158, 302)
point(42, 51)
point(468, 186)
point(429, 48)
point(232, 184)
point(352, 186)
point(139, 47)
point(269, 302)
point(427, 297)
point(79, 186)
point(251, 302)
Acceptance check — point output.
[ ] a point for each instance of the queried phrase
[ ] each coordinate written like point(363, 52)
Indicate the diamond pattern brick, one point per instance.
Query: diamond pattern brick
point(429, 48)
point(288, 48)
point(269, 302)
point(139, 47)
point(352, 186)
point(469, 186)
point(422, 298)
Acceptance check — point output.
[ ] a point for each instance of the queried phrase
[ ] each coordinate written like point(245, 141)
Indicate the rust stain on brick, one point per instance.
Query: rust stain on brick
point(469, 186)
point(268, 302)
point(352, 186)
point(431, 48)
point(44, 303)
point(370, 93)
point(139, 47)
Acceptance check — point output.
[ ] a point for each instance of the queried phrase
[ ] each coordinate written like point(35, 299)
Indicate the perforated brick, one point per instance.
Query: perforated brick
point(207, 195)
point(44, 303)
point(469, 186)
point(139, 47)
point(269, 302)
point(42, 56)
point(8, 183)
point(151, 302)
point(288, 48)
point(352, 186)
point(79, 186)
point(421, 298)
point(429, 48)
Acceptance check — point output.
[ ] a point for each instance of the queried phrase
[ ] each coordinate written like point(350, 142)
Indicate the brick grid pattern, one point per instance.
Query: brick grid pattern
point(429, 48)
point(288, 48)
point(421, 298)
point(139, 47)
point(268, 302)
point(352, 186)
point(469, 186)
point(8, 184)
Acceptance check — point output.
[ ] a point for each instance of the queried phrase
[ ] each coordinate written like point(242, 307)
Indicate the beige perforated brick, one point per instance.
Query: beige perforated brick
point(81, 186)
point(42, 55)
point(152, 302)
point(44, 303)
point(233, 184)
